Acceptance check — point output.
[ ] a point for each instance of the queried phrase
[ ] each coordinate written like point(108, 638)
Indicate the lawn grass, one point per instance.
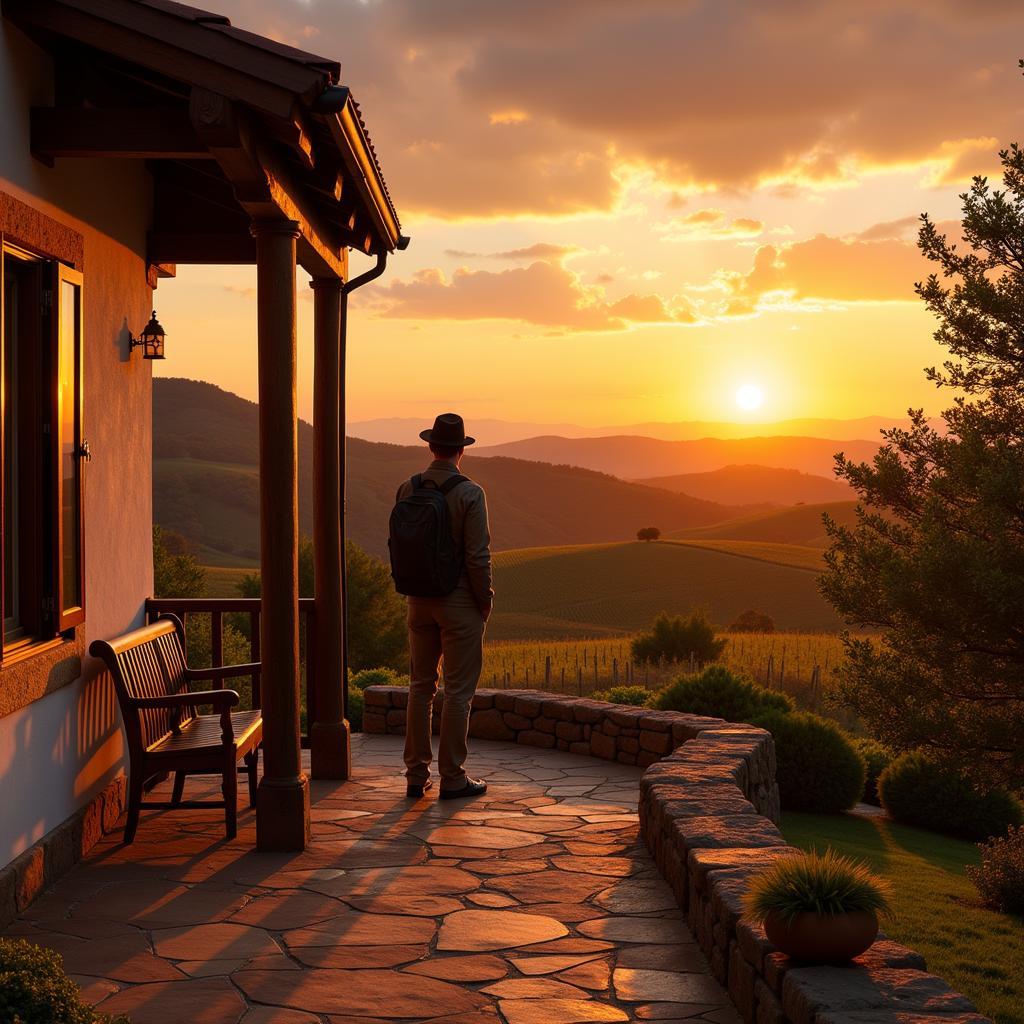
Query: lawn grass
point(936, 908)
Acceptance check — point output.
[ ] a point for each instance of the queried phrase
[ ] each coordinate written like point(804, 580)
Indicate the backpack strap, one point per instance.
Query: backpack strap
point(451, 483)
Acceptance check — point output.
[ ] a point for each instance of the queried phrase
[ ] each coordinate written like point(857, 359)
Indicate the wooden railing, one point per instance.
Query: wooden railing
point(238, 618)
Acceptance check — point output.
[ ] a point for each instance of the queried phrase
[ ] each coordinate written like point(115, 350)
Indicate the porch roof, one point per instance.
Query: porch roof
point(235, 127)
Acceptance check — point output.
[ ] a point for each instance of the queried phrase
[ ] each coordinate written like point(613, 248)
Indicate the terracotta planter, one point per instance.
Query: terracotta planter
point(822, 939)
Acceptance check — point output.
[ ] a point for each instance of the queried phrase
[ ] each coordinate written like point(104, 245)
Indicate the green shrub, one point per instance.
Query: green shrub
point(917, 790)
point(376, 677)
point(815, 883)
point(818, 768)
point(356, 703)
point(1000, 876)
point(635, 696)
point(877, 757)
point(677, 639)
point(718, 693)
point(35, 990)
point(752, 621)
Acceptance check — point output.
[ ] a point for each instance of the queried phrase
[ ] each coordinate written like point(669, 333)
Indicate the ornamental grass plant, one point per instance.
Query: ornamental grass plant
point(826, 884)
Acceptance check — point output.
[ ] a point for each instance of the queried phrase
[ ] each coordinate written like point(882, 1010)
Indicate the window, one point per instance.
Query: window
point(41, 497)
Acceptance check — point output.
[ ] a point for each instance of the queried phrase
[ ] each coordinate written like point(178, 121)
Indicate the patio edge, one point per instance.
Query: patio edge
point(709, 808)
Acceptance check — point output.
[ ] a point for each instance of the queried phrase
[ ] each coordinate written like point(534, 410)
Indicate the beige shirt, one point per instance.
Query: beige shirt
point(467, 507)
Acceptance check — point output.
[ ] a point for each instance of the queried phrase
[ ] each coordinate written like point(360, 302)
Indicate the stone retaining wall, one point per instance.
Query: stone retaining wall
point(43, 863)
point(708, 812)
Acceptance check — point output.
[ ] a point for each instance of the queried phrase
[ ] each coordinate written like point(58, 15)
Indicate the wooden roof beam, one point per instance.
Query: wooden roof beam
point(191, 247)
point(263, 186)
point(147, 36)
point(138, 133)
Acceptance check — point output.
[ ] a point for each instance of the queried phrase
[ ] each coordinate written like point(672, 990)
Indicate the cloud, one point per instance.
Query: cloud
point(543, 294)
point(826, 268)
point(538, 251)
point(491, 110)
point(709, 224)
point(902, 228)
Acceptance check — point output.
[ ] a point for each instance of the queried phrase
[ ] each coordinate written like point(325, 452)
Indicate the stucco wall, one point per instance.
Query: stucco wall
point(59, 751)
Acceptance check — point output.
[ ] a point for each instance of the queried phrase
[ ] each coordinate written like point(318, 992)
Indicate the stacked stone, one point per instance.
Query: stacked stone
point(709, 805)
point(47, 860)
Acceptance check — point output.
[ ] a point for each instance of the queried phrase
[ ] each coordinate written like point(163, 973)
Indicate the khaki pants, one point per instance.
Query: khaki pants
point(451, 628)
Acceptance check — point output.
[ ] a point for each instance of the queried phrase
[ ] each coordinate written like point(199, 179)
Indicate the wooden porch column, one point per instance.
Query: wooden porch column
point(282, 805)
point(329, 741)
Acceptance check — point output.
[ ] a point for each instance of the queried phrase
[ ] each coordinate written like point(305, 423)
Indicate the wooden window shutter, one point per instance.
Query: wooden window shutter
point(68, 448)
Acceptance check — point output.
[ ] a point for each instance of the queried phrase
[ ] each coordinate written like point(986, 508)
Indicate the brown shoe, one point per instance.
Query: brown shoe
point(415, 790)
point(471, 788)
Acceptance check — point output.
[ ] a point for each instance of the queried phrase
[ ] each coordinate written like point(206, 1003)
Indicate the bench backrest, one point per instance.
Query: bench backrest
point(147, 662)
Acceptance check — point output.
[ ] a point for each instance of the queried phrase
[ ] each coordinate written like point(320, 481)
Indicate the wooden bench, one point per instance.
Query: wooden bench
point(165, 732)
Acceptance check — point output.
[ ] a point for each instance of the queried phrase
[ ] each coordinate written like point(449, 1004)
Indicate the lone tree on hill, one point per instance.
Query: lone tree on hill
point(936, 557)
point(648, 533)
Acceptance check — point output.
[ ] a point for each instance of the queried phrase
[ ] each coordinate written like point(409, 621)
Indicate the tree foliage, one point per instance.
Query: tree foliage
point(377, 632)
point(176, 573)
point(648, 533)
point(935, 560)
point(752, 621)
point(673, 638)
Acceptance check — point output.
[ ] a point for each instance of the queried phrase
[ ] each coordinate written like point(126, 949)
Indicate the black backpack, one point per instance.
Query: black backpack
point(425, 559)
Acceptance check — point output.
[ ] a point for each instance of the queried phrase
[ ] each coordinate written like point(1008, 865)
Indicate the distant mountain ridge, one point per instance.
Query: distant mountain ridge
point(641, 458)
point(405, 429)
point(205, 485)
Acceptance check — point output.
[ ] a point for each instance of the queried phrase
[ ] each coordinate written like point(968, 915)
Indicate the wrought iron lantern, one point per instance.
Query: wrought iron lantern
point(151, 339)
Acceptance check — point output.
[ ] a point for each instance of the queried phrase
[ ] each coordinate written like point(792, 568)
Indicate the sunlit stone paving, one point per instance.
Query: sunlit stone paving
point(535, 904)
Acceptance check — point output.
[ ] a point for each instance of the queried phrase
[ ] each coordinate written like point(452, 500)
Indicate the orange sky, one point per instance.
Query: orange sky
point(625, 212)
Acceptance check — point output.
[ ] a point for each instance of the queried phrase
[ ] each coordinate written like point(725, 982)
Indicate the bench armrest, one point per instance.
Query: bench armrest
point(222, 700)
point(225, 698)
point(223, 671)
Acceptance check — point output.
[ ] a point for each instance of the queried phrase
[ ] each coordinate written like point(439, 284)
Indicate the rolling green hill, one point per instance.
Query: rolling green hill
point(603, 589)
point(800, 524)
point(753, 485)
point(205, 485)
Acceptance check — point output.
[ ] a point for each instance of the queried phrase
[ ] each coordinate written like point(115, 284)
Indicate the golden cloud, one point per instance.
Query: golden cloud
point(509, 110)
point(543, 294)
point(538, 251)
point(826, 269)
point(708, 224)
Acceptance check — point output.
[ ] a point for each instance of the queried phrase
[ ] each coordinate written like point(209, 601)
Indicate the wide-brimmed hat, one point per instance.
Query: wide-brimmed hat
point(449, 431)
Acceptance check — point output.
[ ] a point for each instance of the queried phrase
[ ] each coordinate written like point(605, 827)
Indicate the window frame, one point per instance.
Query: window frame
point(41, 542)
point(67, 616)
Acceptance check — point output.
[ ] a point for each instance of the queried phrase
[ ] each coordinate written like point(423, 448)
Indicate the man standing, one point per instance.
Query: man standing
point(441, 559)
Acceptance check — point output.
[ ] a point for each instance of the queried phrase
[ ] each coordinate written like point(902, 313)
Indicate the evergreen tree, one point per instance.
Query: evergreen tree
point(935, 560)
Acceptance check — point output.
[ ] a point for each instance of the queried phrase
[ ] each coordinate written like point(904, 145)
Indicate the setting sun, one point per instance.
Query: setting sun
point(749, 397)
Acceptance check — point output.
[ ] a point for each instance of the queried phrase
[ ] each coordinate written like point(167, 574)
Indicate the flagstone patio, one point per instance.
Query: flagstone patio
point(536, 904)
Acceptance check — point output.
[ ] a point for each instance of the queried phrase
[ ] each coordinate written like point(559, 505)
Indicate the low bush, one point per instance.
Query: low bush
point(813, 883)
point(752, 621)
point(999, 877)
point(917, 790)
point(673, 638)
point(635, 696)
point(818, 768)
point(376, 677)
point(356, 703)
point(877, 757)
point(35, 990)
point(719, 693)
